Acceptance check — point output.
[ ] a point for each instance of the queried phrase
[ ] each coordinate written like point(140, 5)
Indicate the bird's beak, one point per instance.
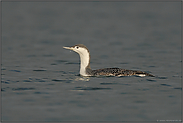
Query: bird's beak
point(70, 48)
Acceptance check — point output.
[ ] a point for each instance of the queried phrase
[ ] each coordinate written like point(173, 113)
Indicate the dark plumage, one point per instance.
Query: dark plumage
point(117, 72)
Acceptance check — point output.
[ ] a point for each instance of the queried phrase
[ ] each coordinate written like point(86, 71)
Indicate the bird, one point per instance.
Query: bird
point(85, 69)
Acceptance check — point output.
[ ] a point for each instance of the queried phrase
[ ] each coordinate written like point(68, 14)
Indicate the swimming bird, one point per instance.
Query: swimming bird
point(85, 69)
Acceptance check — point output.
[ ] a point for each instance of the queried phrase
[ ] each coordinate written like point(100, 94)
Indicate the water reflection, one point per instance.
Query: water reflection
point(80, 78)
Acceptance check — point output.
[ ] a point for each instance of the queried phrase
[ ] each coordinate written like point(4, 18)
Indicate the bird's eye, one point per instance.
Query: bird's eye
point(77, 47)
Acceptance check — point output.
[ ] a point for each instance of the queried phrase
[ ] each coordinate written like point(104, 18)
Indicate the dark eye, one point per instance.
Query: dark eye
point(77, 47)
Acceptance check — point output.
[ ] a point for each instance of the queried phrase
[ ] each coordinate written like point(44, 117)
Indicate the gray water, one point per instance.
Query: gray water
point(40, 79)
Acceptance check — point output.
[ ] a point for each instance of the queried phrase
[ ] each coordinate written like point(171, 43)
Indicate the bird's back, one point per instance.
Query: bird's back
point(117, 72)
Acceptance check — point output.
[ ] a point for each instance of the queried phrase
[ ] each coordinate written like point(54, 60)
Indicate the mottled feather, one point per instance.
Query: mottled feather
point(118, 72)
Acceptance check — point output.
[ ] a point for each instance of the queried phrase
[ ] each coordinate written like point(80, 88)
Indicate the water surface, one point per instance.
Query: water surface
point(40, 79)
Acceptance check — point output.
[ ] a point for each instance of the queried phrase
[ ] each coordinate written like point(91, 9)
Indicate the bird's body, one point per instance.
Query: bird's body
point(85, 69)
point(117, 72)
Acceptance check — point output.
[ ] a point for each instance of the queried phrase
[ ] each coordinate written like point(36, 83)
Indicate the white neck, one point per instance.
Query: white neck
point(84, 59)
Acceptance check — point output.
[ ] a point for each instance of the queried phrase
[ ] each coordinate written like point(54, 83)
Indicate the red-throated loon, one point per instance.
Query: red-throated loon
point(85, 69)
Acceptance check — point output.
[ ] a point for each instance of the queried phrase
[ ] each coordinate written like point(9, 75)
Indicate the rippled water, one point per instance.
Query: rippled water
point(40, 79)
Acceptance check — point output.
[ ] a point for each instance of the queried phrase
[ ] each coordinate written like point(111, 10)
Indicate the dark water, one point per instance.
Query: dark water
point(40, 80)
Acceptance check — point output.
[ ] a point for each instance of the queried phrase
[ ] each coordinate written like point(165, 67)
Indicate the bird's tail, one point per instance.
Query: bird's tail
point(140, 73)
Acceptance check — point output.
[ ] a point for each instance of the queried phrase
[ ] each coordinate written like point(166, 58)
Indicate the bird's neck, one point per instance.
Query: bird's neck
point(84, 62)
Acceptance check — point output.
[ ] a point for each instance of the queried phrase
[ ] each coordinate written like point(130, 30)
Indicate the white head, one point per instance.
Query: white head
point(84, 57)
